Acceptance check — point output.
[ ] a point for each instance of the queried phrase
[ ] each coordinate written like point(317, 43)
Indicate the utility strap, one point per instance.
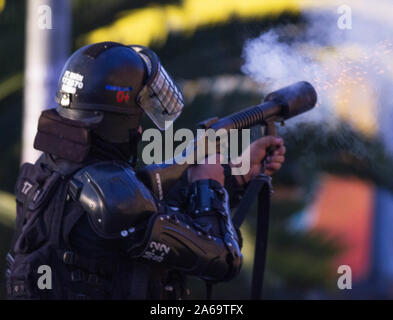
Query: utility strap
point(263, 212)
point(260, 187)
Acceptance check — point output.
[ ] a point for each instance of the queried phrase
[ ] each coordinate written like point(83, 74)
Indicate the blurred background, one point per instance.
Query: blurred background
point(333, 202)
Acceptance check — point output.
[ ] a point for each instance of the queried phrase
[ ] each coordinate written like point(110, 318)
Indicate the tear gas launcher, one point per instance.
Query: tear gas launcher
point(278, 106)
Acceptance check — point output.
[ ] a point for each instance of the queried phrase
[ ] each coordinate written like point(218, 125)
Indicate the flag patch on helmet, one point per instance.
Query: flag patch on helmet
point(117, 88)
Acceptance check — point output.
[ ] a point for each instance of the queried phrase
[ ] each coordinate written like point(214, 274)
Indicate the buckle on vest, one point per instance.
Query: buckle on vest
point(69, 257)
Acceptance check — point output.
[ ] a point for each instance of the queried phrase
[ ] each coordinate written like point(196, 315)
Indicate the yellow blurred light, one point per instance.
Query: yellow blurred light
point(353, 95)
point(355, 103)
point(354, 98)
point(2, 5)
point(154, 23)
point(7, 209)
point(11, 85)
point(342, 79)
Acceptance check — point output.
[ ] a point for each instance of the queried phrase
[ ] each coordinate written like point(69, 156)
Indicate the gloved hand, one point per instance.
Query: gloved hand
point(257, 152)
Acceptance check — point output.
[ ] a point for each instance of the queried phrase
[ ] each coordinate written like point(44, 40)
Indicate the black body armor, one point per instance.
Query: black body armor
point(104, 236)
point(83, 213)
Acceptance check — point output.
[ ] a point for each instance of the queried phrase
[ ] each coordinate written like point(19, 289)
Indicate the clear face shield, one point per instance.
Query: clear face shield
point(160, 98)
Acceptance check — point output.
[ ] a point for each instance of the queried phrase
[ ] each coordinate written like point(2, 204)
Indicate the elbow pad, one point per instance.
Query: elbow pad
point(185, 242)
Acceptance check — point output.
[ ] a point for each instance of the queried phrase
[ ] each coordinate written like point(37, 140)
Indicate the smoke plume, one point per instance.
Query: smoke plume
point(351, 69)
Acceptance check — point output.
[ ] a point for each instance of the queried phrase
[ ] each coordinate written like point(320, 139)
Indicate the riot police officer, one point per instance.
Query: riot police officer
point(83, 211)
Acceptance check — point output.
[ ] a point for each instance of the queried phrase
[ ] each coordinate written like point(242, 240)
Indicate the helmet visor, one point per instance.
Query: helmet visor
point(161, 99)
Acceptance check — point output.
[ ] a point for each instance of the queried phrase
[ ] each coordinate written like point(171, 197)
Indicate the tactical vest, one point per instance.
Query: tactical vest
point(46, 215)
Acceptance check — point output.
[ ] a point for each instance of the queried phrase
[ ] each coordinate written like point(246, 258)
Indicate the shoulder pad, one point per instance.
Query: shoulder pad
point(113, 197)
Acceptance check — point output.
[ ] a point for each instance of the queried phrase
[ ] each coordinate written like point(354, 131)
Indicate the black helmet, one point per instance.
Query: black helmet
point(113, 85)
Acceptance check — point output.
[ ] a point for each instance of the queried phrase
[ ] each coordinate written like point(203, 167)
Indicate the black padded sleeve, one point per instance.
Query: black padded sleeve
point(201, 242)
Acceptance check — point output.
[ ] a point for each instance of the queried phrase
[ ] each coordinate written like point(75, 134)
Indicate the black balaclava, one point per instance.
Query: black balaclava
point(103, 150)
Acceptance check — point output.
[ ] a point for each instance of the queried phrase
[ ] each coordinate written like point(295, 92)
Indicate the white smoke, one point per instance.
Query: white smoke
point(351, 70)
